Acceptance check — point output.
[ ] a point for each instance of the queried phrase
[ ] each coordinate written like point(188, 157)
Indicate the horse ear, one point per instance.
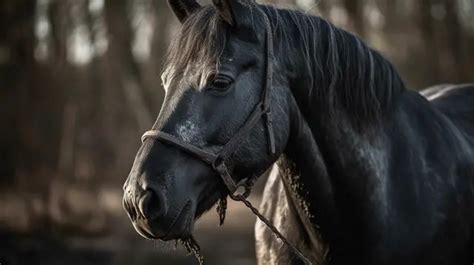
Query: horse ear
point(183, 8)
point(233, 11)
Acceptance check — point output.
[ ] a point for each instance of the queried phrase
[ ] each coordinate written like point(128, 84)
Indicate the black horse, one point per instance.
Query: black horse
point(375, 173)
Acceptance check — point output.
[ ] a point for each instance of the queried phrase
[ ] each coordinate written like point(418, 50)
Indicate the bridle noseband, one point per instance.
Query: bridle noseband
point(218, 160)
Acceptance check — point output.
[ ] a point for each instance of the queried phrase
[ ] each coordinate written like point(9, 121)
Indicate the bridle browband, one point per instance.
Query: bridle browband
point(218, 160)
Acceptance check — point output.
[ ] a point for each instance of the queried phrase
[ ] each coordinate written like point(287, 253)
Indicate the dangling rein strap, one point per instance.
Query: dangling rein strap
point(218, 161)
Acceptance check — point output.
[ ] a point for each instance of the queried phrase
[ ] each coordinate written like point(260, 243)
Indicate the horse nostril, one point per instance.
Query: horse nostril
point(152, 205)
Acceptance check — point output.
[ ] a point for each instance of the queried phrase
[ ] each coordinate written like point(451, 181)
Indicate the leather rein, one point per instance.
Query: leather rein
point(218, 160)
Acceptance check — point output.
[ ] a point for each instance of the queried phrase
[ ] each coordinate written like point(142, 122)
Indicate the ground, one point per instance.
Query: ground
point(231, 244)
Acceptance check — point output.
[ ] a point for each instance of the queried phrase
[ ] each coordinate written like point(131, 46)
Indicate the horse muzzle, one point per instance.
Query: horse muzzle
point(148, 210)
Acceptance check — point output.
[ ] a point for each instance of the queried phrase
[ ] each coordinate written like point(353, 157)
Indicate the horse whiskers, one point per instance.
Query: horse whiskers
point(192, 247)
point(221, 209)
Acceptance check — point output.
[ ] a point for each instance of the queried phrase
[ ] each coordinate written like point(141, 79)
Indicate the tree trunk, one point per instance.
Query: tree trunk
point(122, 59)
point(355, 11)
point(17, 65)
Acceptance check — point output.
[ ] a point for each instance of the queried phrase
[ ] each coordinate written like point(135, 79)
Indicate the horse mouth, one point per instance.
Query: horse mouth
point(179, 227)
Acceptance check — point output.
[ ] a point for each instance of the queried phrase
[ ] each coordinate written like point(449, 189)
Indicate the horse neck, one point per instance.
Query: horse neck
point(329, 165)
point(337, 150)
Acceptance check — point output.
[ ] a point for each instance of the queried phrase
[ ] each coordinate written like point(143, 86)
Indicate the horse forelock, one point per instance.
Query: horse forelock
point(194, 53)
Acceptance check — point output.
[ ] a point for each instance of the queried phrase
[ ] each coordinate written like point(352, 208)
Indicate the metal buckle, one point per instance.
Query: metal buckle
point(242, 191)
point(236, 190)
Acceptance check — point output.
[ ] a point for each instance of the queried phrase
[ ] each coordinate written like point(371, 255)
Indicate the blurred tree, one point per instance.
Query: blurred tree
point(123, 61)
point(355, 11)
point(17, 65)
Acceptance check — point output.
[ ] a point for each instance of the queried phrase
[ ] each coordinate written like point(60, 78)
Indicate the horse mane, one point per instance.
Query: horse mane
point(344, 73)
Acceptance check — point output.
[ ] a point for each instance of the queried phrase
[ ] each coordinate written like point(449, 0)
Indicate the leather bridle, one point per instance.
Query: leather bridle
point(218, 160)
point(261, 111)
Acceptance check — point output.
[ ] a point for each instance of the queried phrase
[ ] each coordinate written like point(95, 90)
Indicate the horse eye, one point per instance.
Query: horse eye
point(221, 84)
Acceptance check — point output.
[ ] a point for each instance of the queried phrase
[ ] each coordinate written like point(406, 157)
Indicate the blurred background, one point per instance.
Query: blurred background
point(79, 83)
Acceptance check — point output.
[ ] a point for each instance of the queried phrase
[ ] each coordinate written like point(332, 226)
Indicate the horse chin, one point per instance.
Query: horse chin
point(207, 202)
point(179, 227)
